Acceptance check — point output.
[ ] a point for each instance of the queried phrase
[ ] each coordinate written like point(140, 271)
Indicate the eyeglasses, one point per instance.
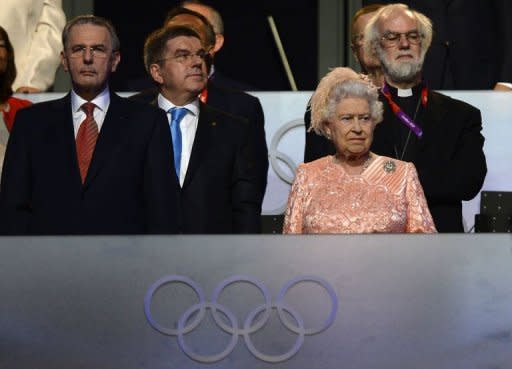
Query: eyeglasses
point(391, 39)
point(185, 57)
point(350, 119)
point(100, 52)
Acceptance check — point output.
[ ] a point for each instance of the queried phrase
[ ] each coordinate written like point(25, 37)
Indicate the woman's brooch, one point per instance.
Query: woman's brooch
point(389, 166)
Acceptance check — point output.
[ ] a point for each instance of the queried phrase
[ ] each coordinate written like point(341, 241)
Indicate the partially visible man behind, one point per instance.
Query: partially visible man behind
point(215, 19)
point(370, 65)
point(318, 146)
point(91, 162)
point(34, 27)
point(440, 135)
point(213, 157)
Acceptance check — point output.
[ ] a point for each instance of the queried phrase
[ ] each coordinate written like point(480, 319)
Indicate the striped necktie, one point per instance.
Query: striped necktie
point(86, 139)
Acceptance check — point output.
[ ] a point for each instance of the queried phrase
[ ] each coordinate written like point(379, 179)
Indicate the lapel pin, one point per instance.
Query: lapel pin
point(389, 166)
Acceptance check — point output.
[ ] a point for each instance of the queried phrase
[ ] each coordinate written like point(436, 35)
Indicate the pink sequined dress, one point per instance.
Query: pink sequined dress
point(386, 197)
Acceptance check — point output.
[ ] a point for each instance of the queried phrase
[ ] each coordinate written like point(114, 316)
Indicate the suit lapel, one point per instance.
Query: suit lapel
point(64, 133)
point(202, 142)
point(431, 120)
point(109, 138)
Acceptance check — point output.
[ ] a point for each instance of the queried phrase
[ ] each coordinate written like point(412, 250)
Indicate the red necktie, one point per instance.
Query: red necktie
point(86, 139)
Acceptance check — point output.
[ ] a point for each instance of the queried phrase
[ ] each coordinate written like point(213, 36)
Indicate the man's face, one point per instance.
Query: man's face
point(401, 59)
point(367, 62)
point(89, 59)
point(181, 72)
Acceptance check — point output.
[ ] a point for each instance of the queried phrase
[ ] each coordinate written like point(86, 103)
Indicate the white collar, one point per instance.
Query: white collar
point(102, 100)
point(165, 104)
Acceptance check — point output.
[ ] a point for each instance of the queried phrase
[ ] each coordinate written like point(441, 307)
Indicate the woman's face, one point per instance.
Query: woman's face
point(351, 127)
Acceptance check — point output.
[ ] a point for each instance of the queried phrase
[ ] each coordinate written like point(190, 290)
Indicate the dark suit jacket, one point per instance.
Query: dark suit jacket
point(220, 193)
point(449, 159)
point(242, 105)
point(128, 189)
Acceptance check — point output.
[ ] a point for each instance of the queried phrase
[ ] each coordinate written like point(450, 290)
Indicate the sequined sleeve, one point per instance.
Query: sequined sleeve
point(419, 219)
point(293, 217)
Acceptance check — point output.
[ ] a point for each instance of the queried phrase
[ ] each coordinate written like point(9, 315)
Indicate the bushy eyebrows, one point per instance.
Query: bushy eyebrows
point(186, 50)
point(81, 44)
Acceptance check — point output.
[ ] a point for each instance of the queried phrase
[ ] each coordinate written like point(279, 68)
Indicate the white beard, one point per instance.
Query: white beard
point(402, 72)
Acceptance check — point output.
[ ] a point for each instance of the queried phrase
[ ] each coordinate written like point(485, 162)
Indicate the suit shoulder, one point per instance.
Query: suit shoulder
point(36, 114)
point(453, 103)
point(234, 94)
point(145, 96)
point(137, 106)
point(223, 116)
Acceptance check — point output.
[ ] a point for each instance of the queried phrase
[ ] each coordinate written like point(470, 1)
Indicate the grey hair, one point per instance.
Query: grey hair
point(372, 36)
point(351, 88)
point(94, 20)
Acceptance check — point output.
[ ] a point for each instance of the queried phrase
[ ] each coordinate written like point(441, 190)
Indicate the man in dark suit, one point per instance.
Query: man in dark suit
point(217, 93)
point(440, 135)
point(91, 162)
point(212, 150)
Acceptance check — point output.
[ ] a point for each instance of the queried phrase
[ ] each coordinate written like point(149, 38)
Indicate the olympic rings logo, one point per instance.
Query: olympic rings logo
point(186, 323)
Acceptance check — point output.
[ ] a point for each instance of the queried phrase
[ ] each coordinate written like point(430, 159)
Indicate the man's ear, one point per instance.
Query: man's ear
point(64, 61)
point(154, 71)
point(219, 42)
point(116, 58)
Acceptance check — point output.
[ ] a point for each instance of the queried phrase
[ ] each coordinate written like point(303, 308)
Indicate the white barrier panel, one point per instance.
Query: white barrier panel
point(284, 125)
point(256, 302)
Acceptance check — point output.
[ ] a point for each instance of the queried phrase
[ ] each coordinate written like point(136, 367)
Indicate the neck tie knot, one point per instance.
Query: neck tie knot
point(177, 114)
point(88, 108)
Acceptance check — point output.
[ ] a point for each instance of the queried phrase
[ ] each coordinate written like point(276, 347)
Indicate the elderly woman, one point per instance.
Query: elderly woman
point(9, 105)
point(354, 190)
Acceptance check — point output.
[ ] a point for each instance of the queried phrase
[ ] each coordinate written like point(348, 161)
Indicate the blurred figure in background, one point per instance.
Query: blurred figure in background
point(9, 105)
point(369, 64)
point(215, 19)
point(318, 146)
point(35, 28)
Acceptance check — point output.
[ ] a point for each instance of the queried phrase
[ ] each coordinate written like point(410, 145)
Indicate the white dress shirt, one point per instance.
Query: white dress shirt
point(188, 126)
point(102, 101)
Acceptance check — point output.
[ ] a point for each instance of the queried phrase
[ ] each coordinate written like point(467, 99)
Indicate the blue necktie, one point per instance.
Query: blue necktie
point(177, 115)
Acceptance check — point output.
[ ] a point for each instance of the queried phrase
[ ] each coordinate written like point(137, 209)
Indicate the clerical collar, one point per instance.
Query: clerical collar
point(387, 91)
point(404, 93)
point(401, 93)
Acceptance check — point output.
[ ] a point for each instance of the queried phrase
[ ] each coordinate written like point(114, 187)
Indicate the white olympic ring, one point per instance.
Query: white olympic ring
point(276, 157)
point(233, 328)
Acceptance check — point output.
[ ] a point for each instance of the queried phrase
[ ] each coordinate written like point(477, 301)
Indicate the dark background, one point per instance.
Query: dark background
point(249, 54)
